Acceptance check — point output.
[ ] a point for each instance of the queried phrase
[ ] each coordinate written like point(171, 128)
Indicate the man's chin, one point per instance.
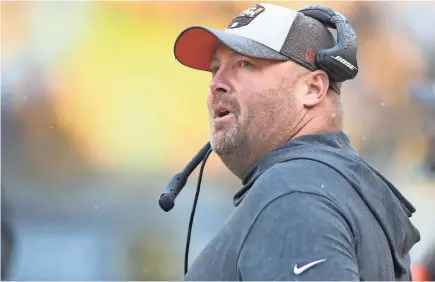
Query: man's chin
point(226, 140)
point(220, 144)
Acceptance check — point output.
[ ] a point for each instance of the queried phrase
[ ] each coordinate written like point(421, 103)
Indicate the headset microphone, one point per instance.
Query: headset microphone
point(167, 198)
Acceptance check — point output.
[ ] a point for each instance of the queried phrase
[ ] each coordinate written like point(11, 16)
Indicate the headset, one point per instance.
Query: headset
point(339, 62)
point(174, 187)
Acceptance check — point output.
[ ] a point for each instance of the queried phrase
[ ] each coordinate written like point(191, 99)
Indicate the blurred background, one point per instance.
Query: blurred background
point(97, 116)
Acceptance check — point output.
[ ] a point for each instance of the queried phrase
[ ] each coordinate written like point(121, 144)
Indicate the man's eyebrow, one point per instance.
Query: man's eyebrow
point(231, 54)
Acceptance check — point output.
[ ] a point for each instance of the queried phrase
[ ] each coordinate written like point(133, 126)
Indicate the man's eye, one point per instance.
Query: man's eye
point(214, 70)
point(245, 64)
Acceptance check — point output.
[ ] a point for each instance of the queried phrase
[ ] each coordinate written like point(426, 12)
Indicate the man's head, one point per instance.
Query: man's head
point(265, 88)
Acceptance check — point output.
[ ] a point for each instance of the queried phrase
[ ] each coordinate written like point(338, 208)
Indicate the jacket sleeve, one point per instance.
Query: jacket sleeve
point(299, 236)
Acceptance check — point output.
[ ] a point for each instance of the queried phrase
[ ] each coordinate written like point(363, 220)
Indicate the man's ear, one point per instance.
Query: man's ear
point(317, 85)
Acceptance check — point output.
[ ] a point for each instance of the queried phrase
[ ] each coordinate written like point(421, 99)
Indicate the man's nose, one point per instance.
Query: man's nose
point(219, 85)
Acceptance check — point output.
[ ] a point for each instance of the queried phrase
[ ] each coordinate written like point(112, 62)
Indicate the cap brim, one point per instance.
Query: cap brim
point(196, 45)
point(424, 94)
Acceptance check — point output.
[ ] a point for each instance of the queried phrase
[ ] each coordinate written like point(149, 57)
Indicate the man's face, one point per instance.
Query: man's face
point(251, 103)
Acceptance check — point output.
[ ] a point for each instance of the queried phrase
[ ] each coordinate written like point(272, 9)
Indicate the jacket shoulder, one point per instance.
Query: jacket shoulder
point(304, 176)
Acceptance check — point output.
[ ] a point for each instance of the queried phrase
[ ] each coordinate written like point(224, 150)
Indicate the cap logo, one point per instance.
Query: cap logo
point(309, 55)
point(245, 17)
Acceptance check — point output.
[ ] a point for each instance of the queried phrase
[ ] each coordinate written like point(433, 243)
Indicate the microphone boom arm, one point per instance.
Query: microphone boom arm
point(177, 183)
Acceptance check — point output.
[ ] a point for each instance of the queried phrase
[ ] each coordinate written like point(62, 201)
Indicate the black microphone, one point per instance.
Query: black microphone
point(171, 191)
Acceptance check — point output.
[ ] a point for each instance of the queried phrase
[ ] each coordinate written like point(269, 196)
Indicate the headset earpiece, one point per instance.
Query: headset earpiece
point(339, 62)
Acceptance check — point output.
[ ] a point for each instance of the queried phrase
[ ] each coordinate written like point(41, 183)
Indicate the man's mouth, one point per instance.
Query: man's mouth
point(221, 112)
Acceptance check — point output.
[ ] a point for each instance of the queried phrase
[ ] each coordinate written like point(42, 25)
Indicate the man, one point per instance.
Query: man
point(310, 208)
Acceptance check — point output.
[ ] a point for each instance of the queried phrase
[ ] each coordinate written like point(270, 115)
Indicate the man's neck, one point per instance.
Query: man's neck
point(240, 163)
point(317, 125)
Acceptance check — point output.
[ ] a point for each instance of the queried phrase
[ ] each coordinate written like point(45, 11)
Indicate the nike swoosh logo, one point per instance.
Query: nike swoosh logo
point(298, 270)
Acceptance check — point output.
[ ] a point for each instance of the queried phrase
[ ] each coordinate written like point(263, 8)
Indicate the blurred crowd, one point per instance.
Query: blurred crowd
point(97, 115)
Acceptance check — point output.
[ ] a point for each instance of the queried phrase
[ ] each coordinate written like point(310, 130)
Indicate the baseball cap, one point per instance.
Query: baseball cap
point(263, 31)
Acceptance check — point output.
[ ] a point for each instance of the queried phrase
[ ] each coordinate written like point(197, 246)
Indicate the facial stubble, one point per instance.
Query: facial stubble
point(250, 135)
